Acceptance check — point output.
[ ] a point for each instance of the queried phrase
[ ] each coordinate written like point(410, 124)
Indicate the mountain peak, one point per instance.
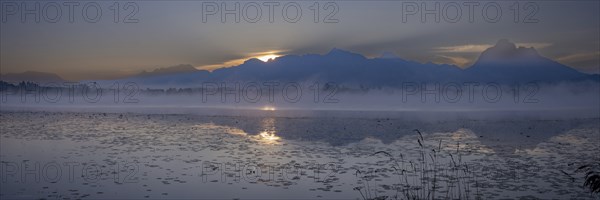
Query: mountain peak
point(253, 61)
point(507, 62)
point(343, 53)
point(505, 50)
point(505, 45)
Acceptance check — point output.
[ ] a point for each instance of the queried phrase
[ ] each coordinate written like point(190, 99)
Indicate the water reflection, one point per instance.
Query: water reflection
point(267, 138)
point(500, 136)
point(267, 135)
point(463, 139)
point(176, 146)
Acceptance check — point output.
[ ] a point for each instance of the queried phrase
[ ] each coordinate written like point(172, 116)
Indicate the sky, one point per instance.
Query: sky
point(168, 33)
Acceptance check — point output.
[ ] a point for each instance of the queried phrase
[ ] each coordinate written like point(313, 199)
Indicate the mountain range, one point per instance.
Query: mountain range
point(182, 68)
point(31, 76)
point(502, 63)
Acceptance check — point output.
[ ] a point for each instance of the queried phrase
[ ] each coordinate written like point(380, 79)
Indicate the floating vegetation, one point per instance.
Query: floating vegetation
point(140, 156)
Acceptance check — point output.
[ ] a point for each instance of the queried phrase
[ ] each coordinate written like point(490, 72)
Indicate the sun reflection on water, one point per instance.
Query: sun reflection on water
point(267, 138)
point(268, 108)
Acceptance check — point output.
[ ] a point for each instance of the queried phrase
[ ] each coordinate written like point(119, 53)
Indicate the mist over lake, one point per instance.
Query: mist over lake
point(352, 99)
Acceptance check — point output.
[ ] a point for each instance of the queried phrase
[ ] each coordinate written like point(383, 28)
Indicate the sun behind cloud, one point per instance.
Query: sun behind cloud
point(266, 58)
point(263, 56)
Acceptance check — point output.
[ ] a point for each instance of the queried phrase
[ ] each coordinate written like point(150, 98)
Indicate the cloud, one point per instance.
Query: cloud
point(229, 63)
point(239, 61)
point(478, 48)
point(579, 57)
point(534, 45)
point(587, 61)
point(455, 60)
point(469, 48)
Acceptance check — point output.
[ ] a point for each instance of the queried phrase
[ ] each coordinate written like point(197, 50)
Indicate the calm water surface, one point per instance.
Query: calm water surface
point(69, 155)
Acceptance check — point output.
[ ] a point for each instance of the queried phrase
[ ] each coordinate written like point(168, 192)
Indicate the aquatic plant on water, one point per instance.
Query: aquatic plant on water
point(427, 177)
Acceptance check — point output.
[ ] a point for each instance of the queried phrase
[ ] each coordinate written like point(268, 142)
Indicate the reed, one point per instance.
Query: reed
point(592, 176)
point(427, 177)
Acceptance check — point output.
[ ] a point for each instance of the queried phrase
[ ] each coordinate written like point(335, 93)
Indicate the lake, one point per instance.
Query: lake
point(229, 154)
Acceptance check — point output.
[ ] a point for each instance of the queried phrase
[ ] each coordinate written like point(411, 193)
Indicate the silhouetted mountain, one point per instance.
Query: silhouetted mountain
point(338, 66)
point(31, 76)
point(503, 63)
point(182, 68)
point(388, 55)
